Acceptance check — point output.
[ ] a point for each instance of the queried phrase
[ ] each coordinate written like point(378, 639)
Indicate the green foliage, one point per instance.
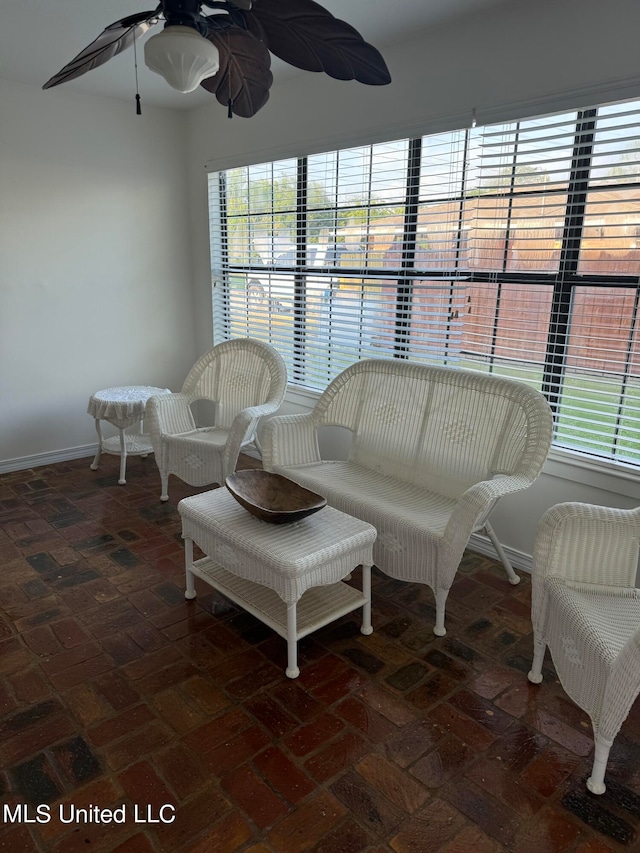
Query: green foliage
point(262, 208)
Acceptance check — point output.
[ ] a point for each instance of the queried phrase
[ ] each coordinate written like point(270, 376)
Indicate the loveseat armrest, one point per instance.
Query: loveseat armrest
point(473, 506)
point(289, 440)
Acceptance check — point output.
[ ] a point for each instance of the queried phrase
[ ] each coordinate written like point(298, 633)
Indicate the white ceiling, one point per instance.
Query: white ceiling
point(39, 37)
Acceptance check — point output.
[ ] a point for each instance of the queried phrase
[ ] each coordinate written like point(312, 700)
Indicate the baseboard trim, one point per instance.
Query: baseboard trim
point(519, 560)
point(50, 458)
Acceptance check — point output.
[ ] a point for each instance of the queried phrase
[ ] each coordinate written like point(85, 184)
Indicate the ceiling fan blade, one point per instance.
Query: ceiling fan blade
point(245, 5)
point(111, 41)
point(245, 74)
point(308, 36)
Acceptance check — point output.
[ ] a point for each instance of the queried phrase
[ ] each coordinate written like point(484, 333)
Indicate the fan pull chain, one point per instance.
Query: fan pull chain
point(135, 63)
point(229, 108)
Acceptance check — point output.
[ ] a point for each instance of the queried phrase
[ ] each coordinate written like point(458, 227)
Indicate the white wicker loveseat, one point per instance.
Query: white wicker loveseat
point(432, 450)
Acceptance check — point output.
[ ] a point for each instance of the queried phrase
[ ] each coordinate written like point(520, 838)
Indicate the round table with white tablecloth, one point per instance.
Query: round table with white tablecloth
point(122, 407)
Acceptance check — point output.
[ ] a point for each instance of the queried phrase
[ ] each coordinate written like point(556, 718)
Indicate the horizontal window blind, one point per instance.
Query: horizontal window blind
point(512, 248)
point(554, 226)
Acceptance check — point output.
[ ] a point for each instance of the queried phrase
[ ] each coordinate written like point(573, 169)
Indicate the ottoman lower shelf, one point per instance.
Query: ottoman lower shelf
point(317, 607)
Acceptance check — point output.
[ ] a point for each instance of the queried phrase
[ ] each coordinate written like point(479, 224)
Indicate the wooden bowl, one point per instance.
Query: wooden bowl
point(272, 497)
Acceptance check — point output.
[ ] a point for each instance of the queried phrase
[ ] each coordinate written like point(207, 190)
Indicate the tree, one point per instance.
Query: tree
point(520, 176)
point(627, 167)
point(264, 210)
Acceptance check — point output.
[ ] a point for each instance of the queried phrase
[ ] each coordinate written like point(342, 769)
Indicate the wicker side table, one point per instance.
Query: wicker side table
point(122, 407)
point(290, 575)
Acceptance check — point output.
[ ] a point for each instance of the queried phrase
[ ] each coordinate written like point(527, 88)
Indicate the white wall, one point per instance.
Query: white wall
point(95, 275)
point(519, 59)
point(514, 59)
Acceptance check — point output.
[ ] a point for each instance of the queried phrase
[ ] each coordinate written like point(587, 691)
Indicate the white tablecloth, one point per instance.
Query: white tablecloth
point(122, 406)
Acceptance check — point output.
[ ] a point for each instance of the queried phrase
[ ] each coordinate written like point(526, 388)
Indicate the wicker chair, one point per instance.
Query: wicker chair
point(245, 379)
point(586, 608)
point(432, 451)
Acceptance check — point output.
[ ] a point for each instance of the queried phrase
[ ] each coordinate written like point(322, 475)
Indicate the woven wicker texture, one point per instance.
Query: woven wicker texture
point(432, 450)
point(289, 558)
point(122, 406)
point(245, 379)
point(586, 609)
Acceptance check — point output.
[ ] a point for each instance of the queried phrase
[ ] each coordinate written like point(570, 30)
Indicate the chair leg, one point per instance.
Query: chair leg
point(539, 648)
point(441, 599)
point(595, 782)
point(513, 577)
point(164, 479)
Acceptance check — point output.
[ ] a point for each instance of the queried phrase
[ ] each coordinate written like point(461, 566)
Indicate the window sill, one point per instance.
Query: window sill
point(599, 473)
point(300, 396)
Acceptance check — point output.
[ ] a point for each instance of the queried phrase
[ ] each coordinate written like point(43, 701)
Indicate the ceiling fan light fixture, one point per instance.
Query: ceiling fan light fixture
point(182, 56)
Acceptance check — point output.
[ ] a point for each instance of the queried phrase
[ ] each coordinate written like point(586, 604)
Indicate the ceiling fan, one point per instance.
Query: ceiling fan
point(227, 50)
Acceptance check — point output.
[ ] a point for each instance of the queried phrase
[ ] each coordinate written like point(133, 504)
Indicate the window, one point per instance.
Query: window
point(513, 249)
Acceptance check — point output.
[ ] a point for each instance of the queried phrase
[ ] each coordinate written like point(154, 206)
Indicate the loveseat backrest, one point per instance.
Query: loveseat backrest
point(439, 427)
point(234, 375)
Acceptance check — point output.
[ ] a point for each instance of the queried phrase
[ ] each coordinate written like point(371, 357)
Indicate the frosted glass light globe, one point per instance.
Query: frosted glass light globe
point(182, 56)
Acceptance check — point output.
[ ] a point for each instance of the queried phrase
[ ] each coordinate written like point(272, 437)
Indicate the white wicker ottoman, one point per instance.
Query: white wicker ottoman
point(268, 567)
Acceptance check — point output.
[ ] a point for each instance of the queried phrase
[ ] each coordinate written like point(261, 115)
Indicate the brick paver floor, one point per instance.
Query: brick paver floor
point(133, 720)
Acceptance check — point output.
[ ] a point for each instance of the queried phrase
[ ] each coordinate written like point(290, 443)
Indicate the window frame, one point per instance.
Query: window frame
point(564, 283)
